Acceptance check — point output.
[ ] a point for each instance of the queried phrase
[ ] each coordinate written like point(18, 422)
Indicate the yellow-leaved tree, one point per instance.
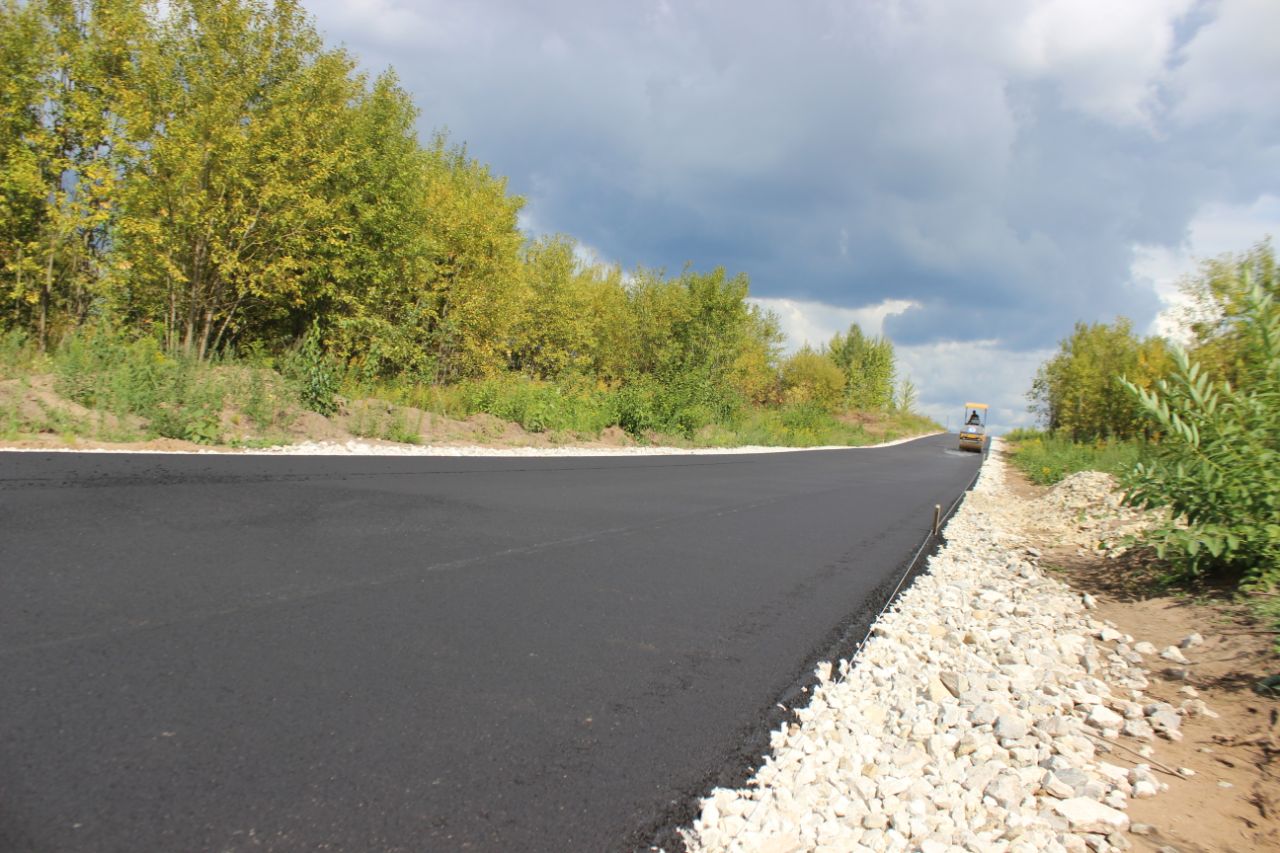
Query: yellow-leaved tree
point(63, 64)
point(237, 127)
point(474, 286)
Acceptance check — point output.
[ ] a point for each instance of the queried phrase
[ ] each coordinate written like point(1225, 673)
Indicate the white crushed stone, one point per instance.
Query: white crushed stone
point(1084, 511)
point(357, 447)
point(975, 717)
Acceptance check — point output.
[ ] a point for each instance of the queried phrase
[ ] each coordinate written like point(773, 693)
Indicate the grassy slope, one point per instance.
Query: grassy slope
point(1046, 459)
point(109, 391)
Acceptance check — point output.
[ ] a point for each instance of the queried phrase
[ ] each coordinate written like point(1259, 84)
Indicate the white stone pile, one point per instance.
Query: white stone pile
point(1084, 511)
point(976, 718)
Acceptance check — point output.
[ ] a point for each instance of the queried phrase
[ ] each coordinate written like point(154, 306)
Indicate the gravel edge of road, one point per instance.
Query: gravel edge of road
point(365, 448)
point(974, 718)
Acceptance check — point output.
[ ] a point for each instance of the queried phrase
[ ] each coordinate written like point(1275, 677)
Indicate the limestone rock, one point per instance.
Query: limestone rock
point(1102, 717)
point(1085, 815)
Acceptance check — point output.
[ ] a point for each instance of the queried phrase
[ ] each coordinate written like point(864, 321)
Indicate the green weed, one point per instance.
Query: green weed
point(399, 429)
point(1047, 460)
point(315, 376)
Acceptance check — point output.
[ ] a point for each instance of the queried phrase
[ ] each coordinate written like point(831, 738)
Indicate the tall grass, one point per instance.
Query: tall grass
point(575, 406)
point(1047, 459)
point(176, 397)
point(136, 390)
point(18, 355)
point(806, 425)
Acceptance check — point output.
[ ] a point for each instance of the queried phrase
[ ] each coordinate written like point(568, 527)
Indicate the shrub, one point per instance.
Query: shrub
point(18, 353)
point(812, 378)
point(314, 374)
point(681, 405)
point(1216, 464)
point(1023, 434)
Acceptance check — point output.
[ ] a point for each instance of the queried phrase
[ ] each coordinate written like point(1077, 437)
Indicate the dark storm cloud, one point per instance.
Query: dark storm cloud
point(996, 163)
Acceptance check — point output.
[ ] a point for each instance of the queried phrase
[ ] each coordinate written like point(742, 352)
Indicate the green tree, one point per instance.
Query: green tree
point(1079, 390)
point(691, 348)
point(700, 329)
point(610, 309)
point(1215, 315)
point(906, 399)
point(475, 285)
point(754, 371)
point(558, 333)
point(67, 62)
point(868, 366)
point(237, 136)
point(370, 288)
point(26, 63)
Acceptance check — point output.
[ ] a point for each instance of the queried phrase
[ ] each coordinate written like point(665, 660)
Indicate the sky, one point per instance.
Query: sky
point(970, 179)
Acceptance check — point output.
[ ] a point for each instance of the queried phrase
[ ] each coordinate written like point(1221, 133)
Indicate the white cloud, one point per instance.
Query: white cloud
point(814, 324)
point(1106, 57)
point(950, 373)
point(389, 22)
point(946, 374)
point(1231, 67)
point(1217, 229)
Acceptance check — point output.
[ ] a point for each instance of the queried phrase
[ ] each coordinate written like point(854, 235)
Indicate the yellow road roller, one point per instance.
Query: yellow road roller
point(973, 429)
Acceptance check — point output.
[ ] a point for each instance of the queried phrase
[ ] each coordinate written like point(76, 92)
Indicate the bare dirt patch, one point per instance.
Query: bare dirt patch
point(35, 416)
point(1232, 802)
point(381, 420)
point(877, 425)
point(33, 400)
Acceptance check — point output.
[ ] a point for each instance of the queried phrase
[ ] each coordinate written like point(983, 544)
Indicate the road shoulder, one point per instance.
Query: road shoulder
point(1001, 705)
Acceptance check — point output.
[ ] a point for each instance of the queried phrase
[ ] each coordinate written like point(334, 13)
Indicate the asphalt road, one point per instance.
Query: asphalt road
point(236, 653)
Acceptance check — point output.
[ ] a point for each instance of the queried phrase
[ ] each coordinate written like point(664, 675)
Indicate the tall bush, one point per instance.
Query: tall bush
point(868, 366)
point(1216, 464)
point(813, 378)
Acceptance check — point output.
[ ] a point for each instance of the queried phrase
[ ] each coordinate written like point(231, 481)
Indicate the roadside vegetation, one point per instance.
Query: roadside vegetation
point(111, 387)
point(1194, 429)
point(213, 226)
point(1047, 459)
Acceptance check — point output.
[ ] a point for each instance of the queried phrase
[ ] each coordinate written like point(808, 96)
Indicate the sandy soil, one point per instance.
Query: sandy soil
point(1232, 803)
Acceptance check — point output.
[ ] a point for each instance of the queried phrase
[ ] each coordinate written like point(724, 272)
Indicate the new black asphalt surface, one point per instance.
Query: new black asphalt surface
point(234, 653)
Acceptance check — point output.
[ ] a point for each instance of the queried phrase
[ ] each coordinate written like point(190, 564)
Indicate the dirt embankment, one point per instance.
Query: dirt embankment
point(1232, 802)
point(34, 415)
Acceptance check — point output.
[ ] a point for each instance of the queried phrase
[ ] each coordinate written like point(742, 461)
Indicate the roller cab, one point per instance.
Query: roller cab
point(973, 429)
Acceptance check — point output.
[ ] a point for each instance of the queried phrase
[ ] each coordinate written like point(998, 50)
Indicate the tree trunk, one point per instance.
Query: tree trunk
point(171, 321)
point(226, 322)
point(18, 314)
point(206, 329)
point(45, 290)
